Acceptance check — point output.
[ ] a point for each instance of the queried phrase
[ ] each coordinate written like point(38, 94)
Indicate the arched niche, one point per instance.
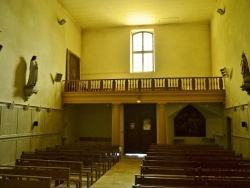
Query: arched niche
point(189, 122)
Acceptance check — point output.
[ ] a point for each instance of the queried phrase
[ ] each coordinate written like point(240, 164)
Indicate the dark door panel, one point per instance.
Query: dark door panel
point(139, 127)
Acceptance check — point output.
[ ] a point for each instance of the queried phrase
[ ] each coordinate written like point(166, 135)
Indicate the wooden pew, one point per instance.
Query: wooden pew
point(57, 174)
point(101, 140)
point(23, 181)
point(156, 186)
point(111, 151)
point(184, 146)
point(89, 167)
point(196, 164)
point(191, 182)
point(100, 162)
point(75, 168)
point(203, 158)
point(168, 181)
point(165, 163)
point(197, 154)
point(195, 172)
point(99, 155)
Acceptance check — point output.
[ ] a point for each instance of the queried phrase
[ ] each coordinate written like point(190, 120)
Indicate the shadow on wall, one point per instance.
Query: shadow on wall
point(20, 78)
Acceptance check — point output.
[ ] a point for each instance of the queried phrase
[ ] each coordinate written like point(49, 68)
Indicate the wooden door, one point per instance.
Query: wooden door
point(139, 127)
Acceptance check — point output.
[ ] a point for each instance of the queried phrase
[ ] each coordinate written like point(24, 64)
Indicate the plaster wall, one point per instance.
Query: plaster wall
point(30, 28)
point(229, 39)
point(213, 114)
point(181, 50)
point(88, 120)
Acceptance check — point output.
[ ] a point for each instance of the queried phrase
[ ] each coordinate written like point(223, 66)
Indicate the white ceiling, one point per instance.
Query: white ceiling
point(117, 13)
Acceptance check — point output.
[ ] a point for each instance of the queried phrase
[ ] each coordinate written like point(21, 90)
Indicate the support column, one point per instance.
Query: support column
point(116, 125)
point(162, 124)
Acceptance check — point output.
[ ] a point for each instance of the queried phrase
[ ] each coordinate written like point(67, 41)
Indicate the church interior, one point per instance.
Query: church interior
point(68, 76)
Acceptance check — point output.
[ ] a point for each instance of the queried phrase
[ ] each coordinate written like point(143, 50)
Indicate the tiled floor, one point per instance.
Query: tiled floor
point(121, 175)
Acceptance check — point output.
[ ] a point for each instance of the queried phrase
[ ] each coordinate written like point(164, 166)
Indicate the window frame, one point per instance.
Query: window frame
point(132, 51)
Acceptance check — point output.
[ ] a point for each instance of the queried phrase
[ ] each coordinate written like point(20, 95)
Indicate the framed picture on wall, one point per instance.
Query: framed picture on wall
point(72, 66)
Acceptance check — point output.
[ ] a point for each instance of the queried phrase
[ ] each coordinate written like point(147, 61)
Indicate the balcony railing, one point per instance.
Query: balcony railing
point(145, 84)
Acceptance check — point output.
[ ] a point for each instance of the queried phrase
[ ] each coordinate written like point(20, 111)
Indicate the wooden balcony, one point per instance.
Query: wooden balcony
point(145, 90)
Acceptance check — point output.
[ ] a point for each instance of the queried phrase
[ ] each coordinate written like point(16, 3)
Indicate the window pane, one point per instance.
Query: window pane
point(148, 62)
point(137, 42)
point(137, 59)
point(148, 41)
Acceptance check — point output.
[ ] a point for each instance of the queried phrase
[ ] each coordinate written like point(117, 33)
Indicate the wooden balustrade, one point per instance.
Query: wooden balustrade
point(145, 84)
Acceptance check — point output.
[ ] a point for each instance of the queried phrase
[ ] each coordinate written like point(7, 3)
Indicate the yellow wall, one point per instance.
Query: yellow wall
point(88, 120)
point(213, 114)
point(229, 38)
point(30, 28)
point(181, 50)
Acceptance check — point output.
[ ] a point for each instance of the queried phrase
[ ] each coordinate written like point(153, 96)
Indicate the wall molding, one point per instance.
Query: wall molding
point(27, 135)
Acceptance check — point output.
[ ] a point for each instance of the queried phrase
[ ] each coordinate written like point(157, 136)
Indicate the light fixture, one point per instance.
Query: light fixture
point(62, 21)
point(224, 72)
point(138, 99)
point(58, 77)
point(49, 109)
point(26, 107)
point(35, 123)
point(221, 11)
point(242, 107)
point(1, 46)
point(243, 124)
point(38, 109)
point(11, 105)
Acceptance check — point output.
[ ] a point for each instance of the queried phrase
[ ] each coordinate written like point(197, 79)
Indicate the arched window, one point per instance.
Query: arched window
point(142, 52)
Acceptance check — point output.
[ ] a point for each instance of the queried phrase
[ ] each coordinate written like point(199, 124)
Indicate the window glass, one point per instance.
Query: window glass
point(142, 52)
point(137, 42)
point(148, 62)
point(137, 63)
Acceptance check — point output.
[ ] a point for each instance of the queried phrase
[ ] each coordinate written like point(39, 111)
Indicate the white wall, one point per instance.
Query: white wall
point(181, 50)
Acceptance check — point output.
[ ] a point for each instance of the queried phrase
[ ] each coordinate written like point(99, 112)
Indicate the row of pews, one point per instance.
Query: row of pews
point(198, 166)
point(61, 165)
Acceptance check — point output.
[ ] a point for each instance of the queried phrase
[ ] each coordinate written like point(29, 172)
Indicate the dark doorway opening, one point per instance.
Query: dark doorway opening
point(139, 127)
point(229, 133)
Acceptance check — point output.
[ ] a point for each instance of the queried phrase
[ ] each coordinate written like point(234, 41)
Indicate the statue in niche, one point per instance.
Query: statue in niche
point(33, 72)
point(245, 73)
point(244, 68)
point(30, 88)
